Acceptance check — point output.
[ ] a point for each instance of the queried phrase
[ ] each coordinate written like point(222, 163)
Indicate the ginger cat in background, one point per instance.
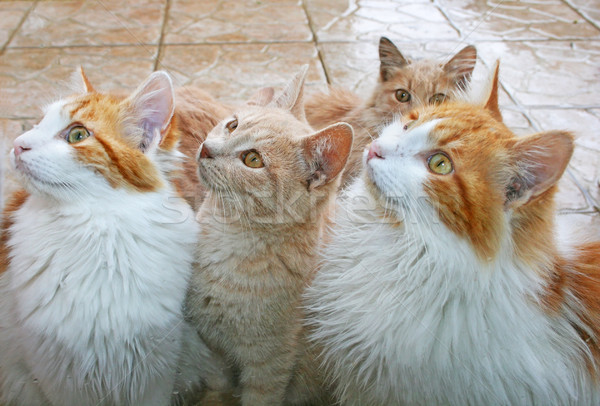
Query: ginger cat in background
point(96, 255)
point(475, 299)
point(271, 182)
point(402, 86)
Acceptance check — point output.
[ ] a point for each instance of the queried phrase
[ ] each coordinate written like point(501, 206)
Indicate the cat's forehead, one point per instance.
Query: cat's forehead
point(56, 116)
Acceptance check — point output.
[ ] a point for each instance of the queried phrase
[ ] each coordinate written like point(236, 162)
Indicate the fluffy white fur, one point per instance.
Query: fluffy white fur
point(407, 314)
point(91, 305)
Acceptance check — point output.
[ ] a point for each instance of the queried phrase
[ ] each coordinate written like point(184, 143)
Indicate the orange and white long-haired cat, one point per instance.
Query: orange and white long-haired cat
point(96, 255)
point(445, 282)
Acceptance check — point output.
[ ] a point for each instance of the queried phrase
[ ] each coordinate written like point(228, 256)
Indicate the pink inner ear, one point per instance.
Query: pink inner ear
point(543, 158)
point(153, 106)
point(329, 149)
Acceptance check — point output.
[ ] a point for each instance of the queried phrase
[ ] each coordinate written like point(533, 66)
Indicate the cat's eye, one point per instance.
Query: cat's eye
point(77, 134)
point(440, 163)
point(403, 96)
point(437, 98)
point(232, 125)
point(252, 159)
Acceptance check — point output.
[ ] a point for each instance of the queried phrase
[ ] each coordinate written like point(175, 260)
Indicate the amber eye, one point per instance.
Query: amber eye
point(232, 125)
point(77, 134)
point(252, 159)
point(403, 96)
point(440, 163)
point(437, 98)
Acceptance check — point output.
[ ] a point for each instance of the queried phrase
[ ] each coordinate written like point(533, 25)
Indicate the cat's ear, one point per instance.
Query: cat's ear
point(491, 103)
point(390, 58)
point(262, 97)
point(86, 86)
point(461, 66)
point(539, 162)
point(327, 152)
point(292, 98)
point(151, 107)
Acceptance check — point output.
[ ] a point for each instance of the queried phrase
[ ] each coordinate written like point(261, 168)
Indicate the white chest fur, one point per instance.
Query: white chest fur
point(409, 318)
point(92, 299)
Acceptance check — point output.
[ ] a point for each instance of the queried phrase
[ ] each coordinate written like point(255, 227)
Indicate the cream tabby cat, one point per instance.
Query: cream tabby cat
point(96, 256)
point(402, 86)
point(474, 299)
point(271, 182)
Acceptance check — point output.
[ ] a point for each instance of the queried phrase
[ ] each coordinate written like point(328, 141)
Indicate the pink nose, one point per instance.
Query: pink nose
point(374, 152)
point(19, 148)
point(204, 151)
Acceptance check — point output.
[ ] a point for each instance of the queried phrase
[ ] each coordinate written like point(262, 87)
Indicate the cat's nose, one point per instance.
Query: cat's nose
point(19, 147)
point(374, 152)
point(204, 151)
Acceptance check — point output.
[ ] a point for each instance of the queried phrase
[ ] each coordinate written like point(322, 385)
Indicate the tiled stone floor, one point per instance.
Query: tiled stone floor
point(549, 49)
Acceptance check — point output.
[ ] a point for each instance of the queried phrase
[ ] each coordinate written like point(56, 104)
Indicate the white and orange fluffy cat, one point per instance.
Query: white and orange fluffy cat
point(96, 256)
point(403, 84)
point(445, 282)
point(271, 182)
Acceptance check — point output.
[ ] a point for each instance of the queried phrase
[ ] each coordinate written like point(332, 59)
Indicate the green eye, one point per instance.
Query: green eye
point(403, 96)
point(440, 163)
point(77, 134)
point(437, 98)
point(252, 159)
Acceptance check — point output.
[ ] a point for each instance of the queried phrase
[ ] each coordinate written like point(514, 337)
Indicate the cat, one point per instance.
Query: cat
point(402, 86)
point(96, 255)
point(272, 181)
point(445, 282)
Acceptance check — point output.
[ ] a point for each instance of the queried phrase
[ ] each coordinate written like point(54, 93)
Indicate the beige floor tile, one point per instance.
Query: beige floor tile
point(590, 8)
point(549, 73)
point(341, 20)
point(220, 21)
point(11, 14)
point(106, 22)
point(31, 78)
point(232, 73)
point(517, 19)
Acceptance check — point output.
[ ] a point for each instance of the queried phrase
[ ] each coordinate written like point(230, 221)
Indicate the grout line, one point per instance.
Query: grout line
point(162, 36)
point(14, 33)
point(582, 14)
point(447, 17)
point(315, 42)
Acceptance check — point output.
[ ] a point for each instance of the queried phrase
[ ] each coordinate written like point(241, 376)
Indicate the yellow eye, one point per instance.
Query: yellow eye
point(232, 125)
point(439, 163)
point(252, 159)
point(403, 96)
point(437, 98)
point(77, 134)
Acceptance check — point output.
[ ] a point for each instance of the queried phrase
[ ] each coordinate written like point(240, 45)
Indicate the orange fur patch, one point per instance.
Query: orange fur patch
point(14, 203)
point(470, 200)
point(108, 151)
